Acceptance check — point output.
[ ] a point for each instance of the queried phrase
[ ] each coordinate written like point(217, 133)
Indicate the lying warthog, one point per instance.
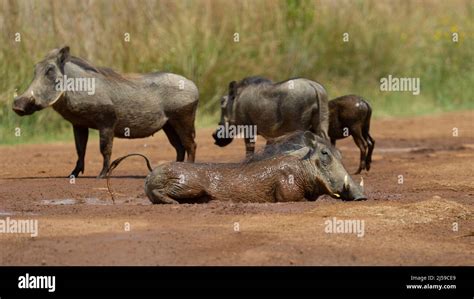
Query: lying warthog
point(305, 173)
point(274, 109)
point(350, 115)
point(124, 106)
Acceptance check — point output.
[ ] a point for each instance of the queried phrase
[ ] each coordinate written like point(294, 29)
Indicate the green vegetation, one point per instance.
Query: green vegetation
point(277, 39)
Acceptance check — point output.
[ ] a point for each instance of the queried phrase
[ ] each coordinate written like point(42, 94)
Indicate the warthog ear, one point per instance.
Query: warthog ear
point(309, 139)
point(301, 153)
point(63, 55)
point(232, 85)
point(232, 88)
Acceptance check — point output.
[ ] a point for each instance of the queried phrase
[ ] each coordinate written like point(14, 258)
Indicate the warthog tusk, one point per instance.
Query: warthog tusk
point(15, 94)
point(346, 184)
point(32, 93)
point(361, 182)
point(337, 195)
point(59, 96)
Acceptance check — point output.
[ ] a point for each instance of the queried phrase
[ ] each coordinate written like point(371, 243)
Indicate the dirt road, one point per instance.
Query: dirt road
point(426, 220)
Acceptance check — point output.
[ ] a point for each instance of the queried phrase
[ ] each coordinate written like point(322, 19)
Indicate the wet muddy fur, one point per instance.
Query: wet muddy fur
point(297, 173)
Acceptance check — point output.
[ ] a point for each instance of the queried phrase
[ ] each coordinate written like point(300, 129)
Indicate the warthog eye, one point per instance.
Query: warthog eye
point(50, 73)
point(325, 157)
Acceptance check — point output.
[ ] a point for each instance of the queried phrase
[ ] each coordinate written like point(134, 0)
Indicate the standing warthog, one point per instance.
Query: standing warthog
point(306, 173)
point(275, 109)
point(124, 106)
point(350, 115)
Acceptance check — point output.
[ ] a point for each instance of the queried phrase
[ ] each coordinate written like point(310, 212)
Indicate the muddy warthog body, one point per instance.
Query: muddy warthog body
point(303, 174)
point(350, 115)
point(124, 106)
point(275, 109)
point(286, 144)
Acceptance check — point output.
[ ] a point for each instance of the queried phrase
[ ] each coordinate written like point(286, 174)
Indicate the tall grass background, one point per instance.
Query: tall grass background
point(277, 39)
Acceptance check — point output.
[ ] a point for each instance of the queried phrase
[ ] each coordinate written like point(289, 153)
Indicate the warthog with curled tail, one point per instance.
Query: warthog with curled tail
point(310, 170)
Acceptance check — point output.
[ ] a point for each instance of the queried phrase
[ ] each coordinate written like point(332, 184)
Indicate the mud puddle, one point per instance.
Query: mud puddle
point(5, 213)
point(95, 201)
point(415, 149)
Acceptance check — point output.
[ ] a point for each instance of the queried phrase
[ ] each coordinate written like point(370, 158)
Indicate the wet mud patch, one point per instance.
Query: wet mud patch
point(96, 201)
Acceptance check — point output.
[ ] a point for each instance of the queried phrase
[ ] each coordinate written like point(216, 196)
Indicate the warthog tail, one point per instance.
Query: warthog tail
point(323, 111)
point(115, 163)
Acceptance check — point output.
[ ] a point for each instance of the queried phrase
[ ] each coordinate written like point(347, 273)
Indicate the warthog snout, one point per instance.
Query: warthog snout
point(352, 191)
point(24, 105)
point(221, 141)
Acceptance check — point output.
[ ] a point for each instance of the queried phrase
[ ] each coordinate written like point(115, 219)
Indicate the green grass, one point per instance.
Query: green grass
point(278, 39)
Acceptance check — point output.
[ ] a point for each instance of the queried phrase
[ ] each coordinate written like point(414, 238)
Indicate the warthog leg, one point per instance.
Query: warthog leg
point(362, 144)
point(158, 197)
point(106, 142)
point(175, 141)
point(371, 143)
point(81, 134)
point(249, 147)
point(186, 134)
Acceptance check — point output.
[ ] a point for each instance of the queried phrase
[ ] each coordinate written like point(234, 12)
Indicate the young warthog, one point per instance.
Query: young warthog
point(274, 109)
point(350, 115)
point(124, 106)
point(306, 173)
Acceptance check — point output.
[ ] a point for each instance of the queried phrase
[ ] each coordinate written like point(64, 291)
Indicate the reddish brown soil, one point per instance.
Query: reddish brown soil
point(405, 224)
